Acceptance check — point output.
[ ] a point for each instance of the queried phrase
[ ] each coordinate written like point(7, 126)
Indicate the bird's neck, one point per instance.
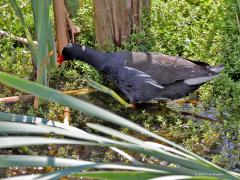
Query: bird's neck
point(93, 57)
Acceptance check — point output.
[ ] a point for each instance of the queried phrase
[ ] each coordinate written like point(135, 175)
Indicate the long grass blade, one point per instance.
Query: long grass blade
point(41, 161)
point(127, 156)
point(19, 128)
point(9, 142)
point(35, 120)
point(42, 23)
point(51, 46)
point(182, 177)
point(67, 171)
point(9, 128)
point(121, 175)
point(134, 140)
point(79, 105)
point(161, 154)
point(53, 95)
point(27, 33)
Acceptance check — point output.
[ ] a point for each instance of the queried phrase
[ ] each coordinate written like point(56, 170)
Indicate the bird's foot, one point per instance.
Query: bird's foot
point(132, 106)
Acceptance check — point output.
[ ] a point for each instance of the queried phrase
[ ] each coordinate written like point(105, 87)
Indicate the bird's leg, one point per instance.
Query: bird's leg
point(109, 91)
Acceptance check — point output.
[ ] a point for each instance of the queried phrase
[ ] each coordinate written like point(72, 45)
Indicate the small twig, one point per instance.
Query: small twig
point(29, 98)
point(194, 103)
point(74, 30)
point(66, 116)
point(16, 38)
point(184, 113)
point(13, 99)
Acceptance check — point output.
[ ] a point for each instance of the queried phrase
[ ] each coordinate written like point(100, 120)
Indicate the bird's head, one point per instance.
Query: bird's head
point(70, 52)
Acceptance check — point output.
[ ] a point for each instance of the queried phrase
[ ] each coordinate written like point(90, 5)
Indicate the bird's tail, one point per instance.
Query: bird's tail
point(200, 80)
point(216, 69)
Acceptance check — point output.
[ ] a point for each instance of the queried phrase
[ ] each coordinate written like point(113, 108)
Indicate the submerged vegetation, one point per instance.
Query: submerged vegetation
point(199, 30)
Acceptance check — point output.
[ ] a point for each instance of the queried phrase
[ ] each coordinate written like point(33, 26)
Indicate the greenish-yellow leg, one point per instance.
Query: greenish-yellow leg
point(109, 91)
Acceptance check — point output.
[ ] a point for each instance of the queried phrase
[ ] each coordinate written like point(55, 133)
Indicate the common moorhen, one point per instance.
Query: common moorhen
point(144, 76)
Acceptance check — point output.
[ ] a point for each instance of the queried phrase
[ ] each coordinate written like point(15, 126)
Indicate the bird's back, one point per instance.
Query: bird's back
point(167, 69)
point(145, 76)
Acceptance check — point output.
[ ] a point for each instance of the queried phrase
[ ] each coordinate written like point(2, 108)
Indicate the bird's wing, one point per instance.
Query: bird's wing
point(165, 69)
point(136, 76)
point(137, 85)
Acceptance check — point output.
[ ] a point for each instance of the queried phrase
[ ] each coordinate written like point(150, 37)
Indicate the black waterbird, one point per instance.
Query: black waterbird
point(145, 76)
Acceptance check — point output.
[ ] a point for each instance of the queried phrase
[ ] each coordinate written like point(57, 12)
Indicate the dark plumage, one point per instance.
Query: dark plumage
point(145, 76)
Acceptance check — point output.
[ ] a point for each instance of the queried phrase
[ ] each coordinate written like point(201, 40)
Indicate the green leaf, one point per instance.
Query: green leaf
point(117, 175)
point(108, 175)
point(134, 140)
point(67, 171)
point(38, 161)
point(35, 120)
point(41, 21)
point(20, 128)
point(51, 46)
point(9, 128)
point(41, 161)
point(160, 153)
point(79, 105)
point(7, 142)
point(28, 34)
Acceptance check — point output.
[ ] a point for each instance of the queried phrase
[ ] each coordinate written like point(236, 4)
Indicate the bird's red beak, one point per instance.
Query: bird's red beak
point(60, 59)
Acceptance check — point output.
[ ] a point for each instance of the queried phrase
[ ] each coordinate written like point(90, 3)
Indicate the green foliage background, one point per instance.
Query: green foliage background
point(203, 30)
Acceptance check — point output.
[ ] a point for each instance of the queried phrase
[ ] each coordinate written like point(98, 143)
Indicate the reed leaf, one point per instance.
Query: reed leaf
point(128, 138)
point(18, 12)
point(51, 47)
point(53, 95)
point(41, 161)
point(121, 175)
point(41, 22)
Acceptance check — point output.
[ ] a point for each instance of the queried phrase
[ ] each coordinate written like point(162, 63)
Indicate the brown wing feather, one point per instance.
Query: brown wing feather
point(166, 69)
